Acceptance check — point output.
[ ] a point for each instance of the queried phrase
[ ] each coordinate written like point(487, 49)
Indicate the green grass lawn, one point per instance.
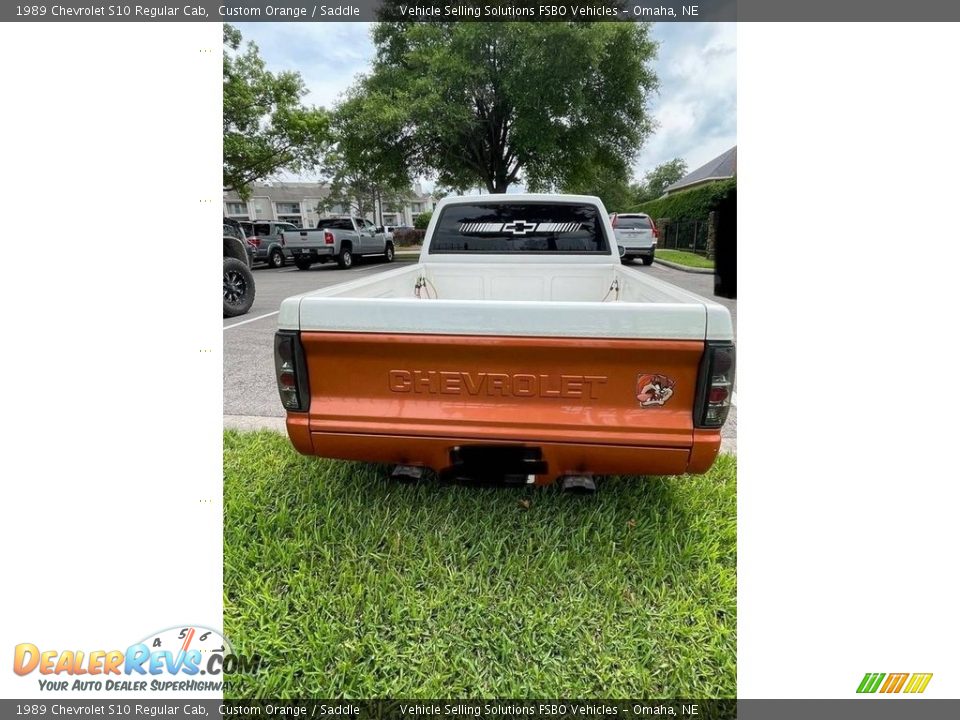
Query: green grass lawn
point(681, 257)
point(351, 585)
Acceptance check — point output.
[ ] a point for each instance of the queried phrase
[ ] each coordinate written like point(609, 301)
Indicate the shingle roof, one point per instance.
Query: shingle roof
point(723, 166)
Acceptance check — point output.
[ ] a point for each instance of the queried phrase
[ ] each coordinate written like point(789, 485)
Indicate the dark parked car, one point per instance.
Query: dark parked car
point(238, 286)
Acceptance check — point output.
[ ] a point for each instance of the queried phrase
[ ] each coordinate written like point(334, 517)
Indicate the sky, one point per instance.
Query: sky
point(695, 108)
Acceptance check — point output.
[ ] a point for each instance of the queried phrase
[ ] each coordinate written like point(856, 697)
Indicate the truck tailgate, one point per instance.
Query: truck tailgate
point(303, 238)
point(501, 389)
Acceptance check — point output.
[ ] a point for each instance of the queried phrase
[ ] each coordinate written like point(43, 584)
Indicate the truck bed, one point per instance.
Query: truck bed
point(554, 300)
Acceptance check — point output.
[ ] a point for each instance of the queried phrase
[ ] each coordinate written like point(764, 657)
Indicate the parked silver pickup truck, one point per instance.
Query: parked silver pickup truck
point(341, 239)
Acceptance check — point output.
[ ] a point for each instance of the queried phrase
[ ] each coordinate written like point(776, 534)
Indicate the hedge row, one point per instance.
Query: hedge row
point(412, 236)
point(696, 204)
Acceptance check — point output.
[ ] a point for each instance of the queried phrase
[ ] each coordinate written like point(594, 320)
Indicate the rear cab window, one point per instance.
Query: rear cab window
point(521, 228)
point(336, 224)
point(629, 222)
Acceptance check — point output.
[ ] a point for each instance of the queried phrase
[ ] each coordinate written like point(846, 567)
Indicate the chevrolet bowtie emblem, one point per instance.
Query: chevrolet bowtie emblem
point(519, 227)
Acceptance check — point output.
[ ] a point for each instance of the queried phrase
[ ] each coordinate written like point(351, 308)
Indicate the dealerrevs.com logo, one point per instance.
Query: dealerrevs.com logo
point(910, 683)
point(182, 659)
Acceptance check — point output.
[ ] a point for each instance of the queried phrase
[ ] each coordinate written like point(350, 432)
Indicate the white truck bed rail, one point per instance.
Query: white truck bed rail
point(516, 294)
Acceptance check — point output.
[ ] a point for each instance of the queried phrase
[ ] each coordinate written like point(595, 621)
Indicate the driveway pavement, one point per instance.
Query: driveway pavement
point(249, 386)
point(249, 382)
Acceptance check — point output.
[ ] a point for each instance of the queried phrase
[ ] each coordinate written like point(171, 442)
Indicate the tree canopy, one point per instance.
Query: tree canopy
point(605, 175)
point(266, 127)
point(365, 171)
point(491, 103)
point(656, 181)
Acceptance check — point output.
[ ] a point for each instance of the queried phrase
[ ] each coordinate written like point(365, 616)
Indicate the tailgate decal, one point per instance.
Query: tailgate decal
point(654, 390)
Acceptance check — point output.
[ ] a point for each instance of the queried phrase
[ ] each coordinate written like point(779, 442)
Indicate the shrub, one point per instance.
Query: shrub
point(422, 220)
point(695, 204)
point(408, 237)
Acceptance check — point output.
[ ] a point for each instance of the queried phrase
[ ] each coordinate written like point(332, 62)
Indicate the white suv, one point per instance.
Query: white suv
point(636, 234)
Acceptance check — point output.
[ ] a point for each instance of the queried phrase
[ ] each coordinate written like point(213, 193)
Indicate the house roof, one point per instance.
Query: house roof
point(720, 168)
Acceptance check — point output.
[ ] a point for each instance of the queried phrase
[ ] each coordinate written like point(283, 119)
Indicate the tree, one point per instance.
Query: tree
point(421, 221)
point(608, 177)
point(266, 127)
point(488, 103)
point(657, 180)
point(366, 173)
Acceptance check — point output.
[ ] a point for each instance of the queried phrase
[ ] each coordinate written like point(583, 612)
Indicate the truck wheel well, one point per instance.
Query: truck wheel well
point(347, 244)
point(233, 248)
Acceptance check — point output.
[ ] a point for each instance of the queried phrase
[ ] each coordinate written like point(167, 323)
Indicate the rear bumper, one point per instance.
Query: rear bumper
point(264, 253)
point(325, 251)
point(560, 458)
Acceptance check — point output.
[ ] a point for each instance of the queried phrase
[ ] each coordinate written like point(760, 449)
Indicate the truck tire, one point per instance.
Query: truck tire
point(345, 258)
point(276, 259)
point(238, 287)
point(388, 253)
point(302, 263)
point(648, 260)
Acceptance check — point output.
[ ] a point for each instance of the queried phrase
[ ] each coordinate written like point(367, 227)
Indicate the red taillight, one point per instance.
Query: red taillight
point(291, 371)
point(656, 233)
point(715, 386)
point(718, 394)
point(722, 363)
point(614, 221)
point(255, 241)
point(328, 237)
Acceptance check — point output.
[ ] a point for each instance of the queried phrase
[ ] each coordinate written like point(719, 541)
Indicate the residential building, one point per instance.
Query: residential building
point(722, 167)
point(304, 203)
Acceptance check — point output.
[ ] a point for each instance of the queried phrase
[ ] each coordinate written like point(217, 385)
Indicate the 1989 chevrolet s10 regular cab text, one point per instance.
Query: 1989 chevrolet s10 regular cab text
point(517, 348)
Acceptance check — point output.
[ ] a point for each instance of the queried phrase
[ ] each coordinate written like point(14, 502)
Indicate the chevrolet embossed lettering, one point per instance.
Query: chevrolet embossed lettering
point(444, 382)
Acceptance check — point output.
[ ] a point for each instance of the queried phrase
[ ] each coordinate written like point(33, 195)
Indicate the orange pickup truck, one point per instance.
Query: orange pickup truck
point(517, 349)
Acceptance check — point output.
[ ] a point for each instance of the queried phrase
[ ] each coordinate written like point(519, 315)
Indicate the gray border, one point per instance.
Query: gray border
point(365, 10)
point(872, 708)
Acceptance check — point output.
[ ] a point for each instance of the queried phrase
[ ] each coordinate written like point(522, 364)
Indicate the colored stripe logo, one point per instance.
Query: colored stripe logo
point(894, 682)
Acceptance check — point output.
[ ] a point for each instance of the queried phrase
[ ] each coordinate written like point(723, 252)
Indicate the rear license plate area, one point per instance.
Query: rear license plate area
point(494, 464)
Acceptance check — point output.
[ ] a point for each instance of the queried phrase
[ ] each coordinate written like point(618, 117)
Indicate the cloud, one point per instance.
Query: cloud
point(695, 108)
point(328, 56)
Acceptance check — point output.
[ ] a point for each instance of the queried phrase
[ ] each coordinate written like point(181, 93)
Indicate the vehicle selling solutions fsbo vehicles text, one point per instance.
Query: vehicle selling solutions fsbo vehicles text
point(554, 11)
